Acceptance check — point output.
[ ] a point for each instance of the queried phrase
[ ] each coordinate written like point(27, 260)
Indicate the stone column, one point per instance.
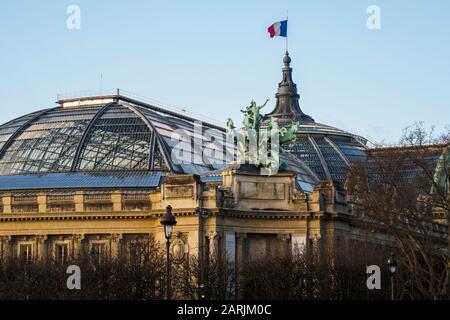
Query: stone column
point(77, 245)
point(213, 237)
point(40, 247)
point(285, 244)
point(115, 244)
point(4, 247)
point(315, 247)
point(240, 248)
point(240, 261)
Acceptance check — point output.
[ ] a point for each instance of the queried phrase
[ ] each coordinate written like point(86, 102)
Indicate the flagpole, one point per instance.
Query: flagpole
point(287, 23)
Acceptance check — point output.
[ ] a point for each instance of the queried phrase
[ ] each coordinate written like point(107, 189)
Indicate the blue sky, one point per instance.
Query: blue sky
point(213, 57)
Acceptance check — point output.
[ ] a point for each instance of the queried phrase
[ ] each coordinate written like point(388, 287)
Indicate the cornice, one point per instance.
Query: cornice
point(271, 214)
point(71, 216)
point(98, 215)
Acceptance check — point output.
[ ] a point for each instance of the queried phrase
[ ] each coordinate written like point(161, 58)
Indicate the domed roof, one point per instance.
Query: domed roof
point(97, 134)
point(328, 151)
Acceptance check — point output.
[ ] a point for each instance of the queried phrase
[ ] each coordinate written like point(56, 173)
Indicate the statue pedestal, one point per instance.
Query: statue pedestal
point(254, 191)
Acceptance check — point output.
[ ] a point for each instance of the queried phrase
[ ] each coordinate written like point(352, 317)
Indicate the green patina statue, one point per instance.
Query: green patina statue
point(253, 117)
point(255, 145)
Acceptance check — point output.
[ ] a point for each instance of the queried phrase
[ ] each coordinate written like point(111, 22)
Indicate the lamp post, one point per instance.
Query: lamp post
point(168, 221)
point(392, 265)
point(202, 291)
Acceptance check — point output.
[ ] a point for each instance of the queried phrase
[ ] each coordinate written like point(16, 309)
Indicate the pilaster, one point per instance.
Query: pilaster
point(40, 247)
point(116, 198)
point(5, 247)
point(115, 244)
point(42, 202)
point(7, 199)
point(77, 245)
point(79, 201)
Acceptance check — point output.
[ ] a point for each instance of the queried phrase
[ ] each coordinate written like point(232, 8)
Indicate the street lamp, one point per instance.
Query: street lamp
point(392, 265)
point(168, 221)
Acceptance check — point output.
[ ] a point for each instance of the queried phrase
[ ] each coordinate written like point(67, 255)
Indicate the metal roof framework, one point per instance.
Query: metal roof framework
point(121, 135)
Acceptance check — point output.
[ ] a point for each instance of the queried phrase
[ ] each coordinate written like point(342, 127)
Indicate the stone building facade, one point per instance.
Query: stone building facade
point(97, 172)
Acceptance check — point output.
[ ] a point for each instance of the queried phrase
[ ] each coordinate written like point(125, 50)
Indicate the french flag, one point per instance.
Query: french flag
point(278, 29)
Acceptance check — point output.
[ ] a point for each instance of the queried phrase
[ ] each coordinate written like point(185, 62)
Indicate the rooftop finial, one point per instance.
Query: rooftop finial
point(287, 107)
point(287, 59)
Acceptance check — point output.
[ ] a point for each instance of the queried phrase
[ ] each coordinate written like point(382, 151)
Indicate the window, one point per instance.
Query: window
point(98, 252)
point(137, 253)
point(26, 253)
point(134, 254)
point(61, 253)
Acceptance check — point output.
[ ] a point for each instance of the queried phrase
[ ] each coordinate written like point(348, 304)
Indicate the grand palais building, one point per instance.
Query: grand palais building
point(97, 172)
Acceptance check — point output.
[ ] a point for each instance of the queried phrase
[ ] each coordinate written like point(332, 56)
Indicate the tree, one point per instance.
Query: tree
point(403, 190)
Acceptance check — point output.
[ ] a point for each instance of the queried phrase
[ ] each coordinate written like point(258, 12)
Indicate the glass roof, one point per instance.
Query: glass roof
point(327, 154)
point(125, 136)
point(118, 140)
point(81, 180)
point(48, 143)
point(118, 136)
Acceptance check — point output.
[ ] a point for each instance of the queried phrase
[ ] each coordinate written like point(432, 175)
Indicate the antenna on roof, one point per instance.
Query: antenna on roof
point(101, 83)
